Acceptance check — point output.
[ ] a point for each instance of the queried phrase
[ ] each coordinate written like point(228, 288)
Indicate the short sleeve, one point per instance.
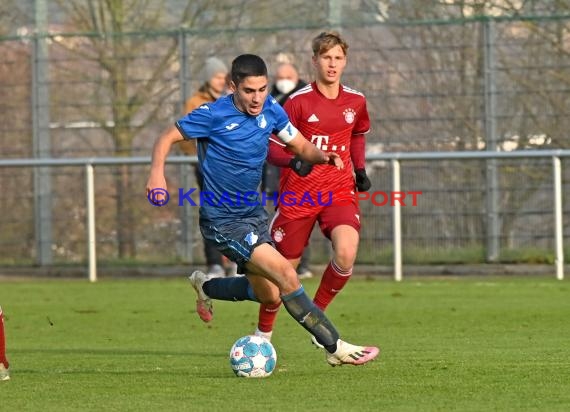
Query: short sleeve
point(281, 118)
point(197, 124)
point(288, 133)
point(283, 128)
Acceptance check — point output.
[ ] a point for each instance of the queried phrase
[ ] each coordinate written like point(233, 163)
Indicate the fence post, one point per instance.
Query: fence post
point(334, 17)
point(184, 170)
point(41, 144)
point(558, 222)
point(492, 187)
point(91, 239)
point(397, 216)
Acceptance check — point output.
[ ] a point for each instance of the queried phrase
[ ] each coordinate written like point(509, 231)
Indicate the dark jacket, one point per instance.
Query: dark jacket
point(282, 98)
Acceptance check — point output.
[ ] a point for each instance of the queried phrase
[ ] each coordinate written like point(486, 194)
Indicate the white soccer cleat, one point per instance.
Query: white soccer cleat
point(204, 305)
point(347, 354)
point(4, 374)
point(304, 274)
point(266, 335)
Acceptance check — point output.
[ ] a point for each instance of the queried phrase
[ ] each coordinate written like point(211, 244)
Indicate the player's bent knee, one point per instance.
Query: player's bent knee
point(345, 257)
point(269, 296)
point(290, 281)
point(271, 300)
point(267, 293)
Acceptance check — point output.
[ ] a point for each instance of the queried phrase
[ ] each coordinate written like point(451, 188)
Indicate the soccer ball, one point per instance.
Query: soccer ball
point(253, 357)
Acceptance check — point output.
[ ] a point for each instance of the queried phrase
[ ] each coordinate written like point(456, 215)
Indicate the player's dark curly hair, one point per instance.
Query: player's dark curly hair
point(247, 65)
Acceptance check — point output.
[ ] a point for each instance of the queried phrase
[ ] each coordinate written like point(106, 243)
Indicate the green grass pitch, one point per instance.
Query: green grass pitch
point(137, 345)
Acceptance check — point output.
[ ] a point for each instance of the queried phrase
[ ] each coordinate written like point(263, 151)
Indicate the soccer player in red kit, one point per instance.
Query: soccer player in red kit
point(334, 117)
point(4, 375)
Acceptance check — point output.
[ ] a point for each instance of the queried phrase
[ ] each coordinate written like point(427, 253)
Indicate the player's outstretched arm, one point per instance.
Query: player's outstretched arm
point(278, 156)
point(308, 152)
point(159, 153)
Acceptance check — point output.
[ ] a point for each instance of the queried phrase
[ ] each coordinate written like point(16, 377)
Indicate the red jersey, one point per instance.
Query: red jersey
point(330, 125)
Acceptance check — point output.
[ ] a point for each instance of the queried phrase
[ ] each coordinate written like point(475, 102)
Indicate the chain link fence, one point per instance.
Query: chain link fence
point(481, 84)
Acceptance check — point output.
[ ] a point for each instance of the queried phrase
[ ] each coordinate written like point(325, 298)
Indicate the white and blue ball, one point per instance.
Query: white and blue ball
point(253, 357)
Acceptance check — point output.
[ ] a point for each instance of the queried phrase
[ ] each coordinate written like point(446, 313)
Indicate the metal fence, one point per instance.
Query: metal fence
point(393, 199)
point(493, 85)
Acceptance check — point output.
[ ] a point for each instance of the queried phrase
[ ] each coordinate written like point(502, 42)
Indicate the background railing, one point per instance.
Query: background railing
point(160, 218)
point(72, 88)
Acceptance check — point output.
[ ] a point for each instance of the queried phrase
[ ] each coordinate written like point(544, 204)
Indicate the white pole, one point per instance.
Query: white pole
point(91, 255)
point(397, 215)
point(558, 225)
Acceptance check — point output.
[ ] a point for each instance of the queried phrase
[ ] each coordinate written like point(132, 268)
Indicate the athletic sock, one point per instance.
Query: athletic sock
point(266, 335)
point(308, 315)
point(267, 316)
point(234, 288)
point(3, 359)
point(332, 282)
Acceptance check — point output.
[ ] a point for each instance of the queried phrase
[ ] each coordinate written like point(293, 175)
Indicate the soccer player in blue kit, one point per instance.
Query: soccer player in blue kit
point(232, 135)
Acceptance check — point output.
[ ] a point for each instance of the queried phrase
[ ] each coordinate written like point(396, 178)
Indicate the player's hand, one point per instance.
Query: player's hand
point(363, 183)
point(335, 160)
point(156, 189)
point(300, 167)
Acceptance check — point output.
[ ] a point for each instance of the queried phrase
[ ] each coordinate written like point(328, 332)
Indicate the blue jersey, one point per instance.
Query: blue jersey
point(232, 147)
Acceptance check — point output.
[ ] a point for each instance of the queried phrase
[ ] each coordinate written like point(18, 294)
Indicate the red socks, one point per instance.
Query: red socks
point(267, 316)
point(332, 282)
point(2, 341)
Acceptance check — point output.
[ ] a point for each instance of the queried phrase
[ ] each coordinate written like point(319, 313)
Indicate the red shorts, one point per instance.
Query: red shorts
point(291, 235)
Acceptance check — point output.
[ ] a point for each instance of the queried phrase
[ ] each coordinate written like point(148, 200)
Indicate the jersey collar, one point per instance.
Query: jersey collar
point(316, 89)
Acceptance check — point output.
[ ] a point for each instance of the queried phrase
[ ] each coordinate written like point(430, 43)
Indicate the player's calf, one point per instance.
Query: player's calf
point(4, 374)
point(332, 282)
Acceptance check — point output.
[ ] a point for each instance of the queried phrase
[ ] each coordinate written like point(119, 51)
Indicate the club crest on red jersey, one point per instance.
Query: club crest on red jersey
point(349, 115)
point(278, 234)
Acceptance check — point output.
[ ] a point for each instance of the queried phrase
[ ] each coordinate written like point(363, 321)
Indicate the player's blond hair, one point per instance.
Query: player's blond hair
point(326, 41)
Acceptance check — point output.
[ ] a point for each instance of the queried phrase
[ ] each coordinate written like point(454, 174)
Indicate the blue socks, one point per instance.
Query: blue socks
point(309, 316)
point(235, 288)
point(298, 304)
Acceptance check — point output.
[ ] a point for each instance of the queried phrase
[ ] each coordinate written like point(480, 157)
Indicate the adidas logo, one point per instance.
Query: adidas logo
point(358, 355)
point(313, 118)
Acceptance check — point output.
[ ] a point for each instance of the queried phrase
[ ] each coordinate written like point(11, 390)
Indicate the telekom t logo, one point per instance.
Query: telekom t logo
point(319, 140)
point(322, 142)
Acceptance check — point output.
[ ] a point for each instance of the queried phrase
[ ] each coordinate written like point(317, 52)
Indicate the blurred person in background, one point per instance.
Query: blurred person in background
point(287, 82)
point(213, 78)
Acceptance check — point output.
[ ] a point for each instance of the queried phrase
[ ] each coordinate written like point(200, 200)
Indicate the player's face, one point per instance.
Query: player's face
point(250, 94)
point(330, 65)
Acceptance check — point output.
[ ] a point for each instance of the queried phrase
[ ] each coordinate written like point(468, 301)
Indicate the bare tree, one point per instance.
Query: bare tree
point(129, 92)
point(124, 70)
